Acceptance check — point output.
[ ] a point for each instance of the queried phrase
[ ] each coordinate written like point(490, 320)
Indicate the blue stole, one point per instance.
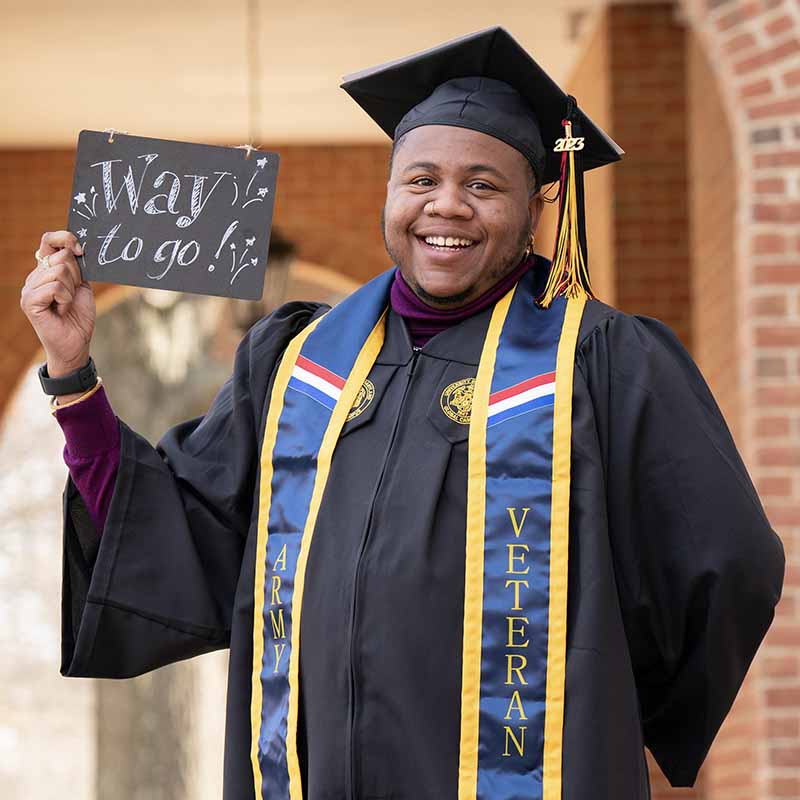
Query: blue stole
point(515, 599)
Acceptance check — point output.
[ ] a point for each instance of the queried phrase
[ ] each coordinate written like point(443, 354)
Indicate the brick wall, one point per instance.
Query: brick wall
point(754, 46)
point(329, 202)
point(732, 768)
point(648, 96)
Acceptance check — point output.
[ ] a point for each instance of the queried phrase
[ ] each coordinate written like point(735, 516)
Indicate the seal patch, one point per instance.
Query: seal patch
point(363, 399)
point(456, 400)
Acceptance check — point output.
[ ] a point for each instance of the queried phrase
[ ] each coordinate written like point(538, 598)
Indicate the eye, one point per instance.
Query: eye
point(482, 186)
point(422, 181)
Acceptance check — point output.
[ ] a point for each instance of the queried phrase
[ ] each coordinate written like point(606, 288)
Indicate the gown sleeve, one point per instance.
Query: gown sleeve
point(158, 586)
point(698, 568)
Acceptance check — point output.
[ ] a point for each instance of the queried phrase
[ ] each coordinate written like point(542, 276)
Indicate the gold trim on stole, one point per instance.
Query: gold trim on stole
point(559, 551)
point(264, 503)
point(473, 578)
point(358, 374)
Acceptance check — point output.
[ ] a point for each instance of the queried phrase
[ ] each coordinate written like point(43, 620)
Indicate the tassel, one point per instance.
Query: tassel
point(569, 272)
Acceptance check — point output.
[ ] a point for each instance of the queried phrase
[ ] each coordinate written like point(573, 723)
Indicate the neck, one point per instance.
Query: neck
point(424, 321)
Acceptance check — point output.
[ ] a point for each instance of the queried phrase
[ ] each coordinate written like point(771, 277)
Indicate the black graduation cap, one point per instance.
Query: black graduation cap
point(485, 81)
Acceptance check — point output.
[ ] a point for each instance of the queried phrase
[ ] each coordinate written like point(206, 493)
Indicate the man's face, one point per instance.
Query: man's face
point(457, 184)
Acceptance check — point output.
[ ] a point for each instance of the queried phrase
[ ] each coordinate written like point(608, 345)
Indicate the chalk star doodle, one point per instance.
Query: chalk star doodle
point(251, 241)
point(262, 162)
point(262, 192)
point(80, 197)
point(82, 233)
point(254, 261)
point(233, 246)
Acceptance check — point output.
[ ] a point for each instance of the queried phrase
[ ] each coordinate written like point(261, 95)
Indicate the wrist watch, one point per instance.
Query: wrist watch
point(77, 381)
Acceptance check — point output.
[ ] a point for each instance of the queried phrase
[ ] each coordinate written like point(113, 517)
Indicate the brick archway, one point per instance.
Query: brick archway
point(753, 47)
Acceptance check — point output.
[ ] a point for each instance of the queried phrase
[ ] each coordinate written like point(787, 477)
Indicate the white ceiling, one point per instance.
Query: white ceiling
point(177, 69)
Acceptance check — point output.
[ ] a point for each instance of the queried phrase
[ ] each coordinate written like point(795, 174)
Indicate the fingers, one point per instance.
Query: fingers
point(63, 267)
point(52, 241)
point(41, 297)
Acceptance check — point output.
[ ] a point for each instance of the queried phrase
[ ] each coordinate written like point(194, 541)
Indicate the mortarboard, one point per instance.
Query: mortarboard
point(487, 82)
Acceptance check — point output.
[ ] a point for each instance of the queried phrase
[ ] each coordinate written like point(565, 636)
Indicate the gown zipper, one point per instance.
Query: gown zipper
point(350, 791)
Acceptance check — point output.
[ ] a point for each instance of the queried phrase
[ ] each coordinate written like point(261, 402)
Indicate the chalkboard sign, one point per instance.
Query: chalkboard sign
point(173, 215)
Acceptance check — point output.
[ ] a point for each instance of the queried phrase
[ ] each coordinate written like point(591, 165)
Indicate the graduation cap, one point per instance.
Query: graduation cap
point(486, 82)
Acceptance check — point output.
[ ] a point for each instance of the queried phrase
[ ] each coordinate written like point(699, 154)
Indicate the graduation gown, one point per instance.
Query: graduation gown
point(674, 570)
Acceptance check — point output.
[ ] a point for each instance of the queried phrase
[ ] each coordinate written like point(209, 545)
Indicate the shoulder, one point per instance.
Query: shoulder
point(266, 340)
point(603, 325)
point(636, 350)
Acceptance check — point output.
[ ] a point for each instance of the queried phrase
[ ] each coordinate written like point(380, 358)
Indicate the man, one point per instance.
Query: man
point(468, 534)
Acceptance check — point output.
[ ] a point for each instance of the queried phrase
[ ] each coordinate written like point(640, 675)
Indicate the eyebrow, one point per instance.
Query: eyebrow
point(473, 168)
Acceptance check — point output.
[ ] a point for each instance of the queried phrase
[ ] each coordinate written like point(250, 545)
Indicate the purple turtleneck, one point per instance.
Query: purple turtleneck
point(424, 322)
point(91, 428)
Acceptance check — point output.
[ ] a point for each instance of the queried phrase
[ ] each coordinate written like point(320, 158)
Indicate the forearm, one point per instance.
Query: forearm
point(91, 452)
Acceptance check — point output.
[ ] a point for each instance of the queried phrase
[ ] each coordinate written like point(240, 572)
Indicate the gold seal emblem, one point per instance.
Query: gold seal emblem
point(456, 400)
point(363, 399)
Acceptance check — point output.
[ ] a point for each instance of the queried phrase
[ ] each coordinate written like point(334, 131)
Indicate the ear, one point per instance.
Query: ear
point(536, 206)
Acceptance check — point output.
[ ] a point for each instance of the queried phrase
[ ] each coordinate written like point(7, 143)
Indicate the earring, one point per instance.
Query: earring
point(529, 248)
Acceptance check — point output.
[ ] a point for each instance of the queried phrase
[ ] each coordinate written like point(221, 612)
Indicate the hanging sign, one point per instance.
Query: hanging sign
point(173, 215)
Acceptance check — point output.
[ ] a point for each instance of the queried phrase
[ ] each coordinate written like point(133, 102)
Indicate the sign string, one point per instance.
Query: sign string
point(253, 87)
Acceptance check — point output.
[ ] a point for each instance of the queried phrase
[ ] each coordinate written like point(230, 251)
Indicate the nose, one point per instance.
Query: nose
point(450, 201)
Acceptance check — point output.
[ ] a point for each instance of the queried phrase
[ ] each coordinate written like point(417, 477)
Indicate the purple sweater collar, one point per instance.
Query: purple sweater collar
point(424, 322)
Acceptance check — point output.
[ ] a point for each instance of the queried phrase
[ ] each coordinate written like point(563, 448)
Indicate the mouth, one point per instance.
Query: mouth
point(446, 244)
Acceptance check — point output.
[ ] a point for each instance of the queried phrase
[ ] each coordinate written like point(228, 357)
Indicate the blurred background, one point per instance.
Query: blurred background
point(698, 226)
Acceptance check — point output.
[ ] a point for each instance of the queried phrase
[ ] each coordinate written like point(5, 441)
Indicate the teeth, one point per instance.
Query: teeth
point(448, 241)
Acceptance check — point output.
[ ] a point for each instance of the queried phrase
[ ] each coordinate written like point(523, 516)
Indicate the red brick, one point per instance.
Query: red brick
point(739, 15)
point(784, 696)
point(784, 756)
point(784, 788)
point(780, 25)
point(770, 186)
point(772, 367)
point(779, 395)
point(781, 516)
point(784, 158)
point(791, 578)
point(782, 336)
point(769, 243)
point(783, 727)
point(773, 426)
point(767, 57)
point(779, 456)
point(778, 273)
point(781, 667)
point(779, 108)
point(739, 43)
point(772, 305)
point(756, 89)
point(792, 78)
point(774, 486)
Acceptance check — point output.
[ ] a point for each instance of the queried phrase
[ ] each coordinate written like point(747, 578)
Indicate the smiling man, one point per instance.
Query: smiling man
point(470, 534)
point(461, 209)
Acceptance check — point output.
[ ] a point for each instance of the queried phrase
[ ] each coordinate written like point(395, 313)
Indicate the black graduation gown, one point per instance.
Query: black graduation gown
point(674, 570)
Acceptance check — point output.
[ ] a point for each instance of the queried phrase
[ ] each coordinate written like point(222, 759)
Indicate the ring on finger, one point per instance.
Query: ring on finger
point(43, 262)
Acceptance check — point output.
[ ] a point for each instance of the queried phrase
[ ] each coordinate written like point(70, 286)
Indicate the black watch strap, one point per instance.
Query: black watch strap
point(80, 380)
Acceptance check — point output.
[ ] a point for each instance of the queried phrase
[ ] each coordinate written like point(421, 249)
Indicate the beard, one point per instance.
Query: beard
point(505, 264)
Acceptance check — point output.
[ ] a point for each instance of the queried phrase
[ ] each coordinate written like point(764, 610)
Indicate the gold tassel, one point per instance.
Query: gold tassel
point(569, 273)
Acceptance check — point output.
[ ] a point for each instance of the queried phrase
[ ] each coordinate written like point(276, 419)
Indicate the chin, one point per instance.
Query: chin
point(442, 291)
